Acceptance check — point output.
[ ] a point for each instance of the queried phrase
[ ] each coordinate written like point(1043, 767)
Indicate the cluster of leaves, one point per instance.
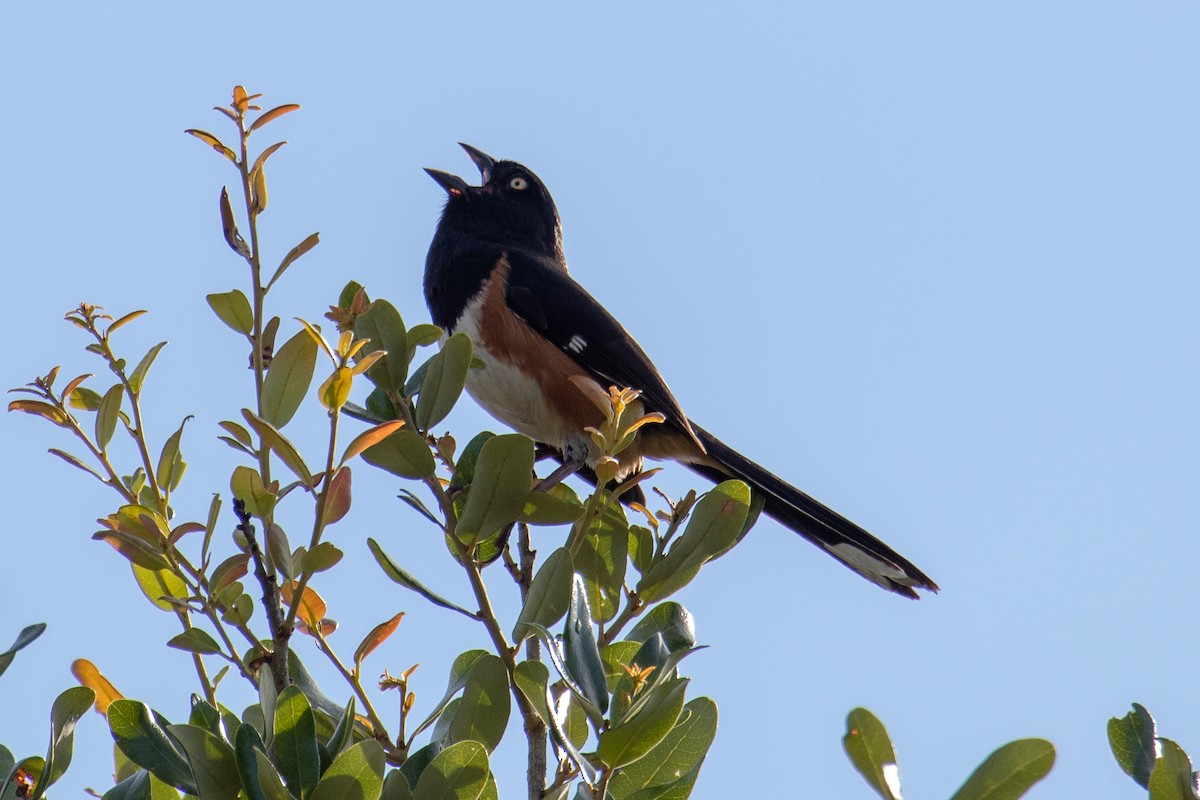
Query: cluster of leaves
point(614, 710)
point(611, 702)
point(1156, 764)
point(1006, 774)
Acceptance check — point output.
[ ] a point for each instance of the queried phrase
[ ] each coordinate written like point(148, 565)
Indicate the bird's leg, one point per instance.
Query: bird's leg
point(574, 457)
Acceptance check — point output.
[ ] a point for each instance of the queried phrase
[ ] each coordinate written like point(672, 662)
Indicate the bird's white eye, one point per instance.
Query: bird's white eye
point(518, 183)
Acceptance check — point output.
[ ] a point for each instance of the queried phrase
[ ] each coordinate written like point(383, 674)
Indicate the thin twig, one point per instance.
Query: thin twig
point(280, 634)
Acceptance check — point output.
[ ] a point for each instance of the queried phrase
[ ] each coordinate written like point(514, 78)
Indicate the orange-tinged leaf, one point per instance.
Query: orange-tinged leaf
point(273, 114)
point(229, 227)
point(378, 635)
point(264, 155)
point(337, 500)
point(43, 410)
point(86, 673)
point(73, 385)
point(213, 142)
point(309, 243)
point(371, 437)
point(130, 317)
point(231, 569)
point(179, 531)
point(259, 194)
point(312, 607)
point(327, 627)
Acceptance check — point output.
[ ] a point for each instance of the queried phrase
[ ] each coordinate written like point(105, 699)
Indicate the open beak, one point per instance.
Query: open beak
point(454, 185)
point(482, 160)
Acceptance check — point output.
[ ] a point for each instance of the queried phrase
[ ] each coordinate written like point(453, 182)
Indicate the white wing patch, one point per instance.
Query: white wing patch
point(577, 344)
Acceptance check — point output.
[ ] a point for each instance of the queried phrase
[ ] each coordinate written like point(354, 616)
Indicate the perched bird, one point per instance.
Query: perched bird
point(496, 272)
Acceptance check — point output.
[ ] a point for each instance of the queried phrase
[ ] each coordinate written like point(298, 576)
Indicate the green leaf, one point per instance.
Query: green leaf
point(500, 486)
point(1171, 778)
point(138, 376)
point(637, 736)
point(355, 774)
point(558, 506)
point(296, 751)
point(1132, 739)
point(680, 753)
point(140, 785)
point(322, 557)
point(309, 242)
point(459, 772)
point(283, 448)
point(714, 526)
point(616, 657)
point(870, 750)
point(418, 761)
point(268, 697)
point(247, 485)
point(194, 640)
point(1009, 772)
point(24, 638)
point(422, 335)
point(213, 762)
point(600, 556)
point(69, 707)
point(395, 787)
point(460, 670)
point(343, 734)
point(641, 548)
point(157, 584)
point(549, 595)
point(673, 621)
point(247, 744)
point(405, 453)
point(482, 715)
point(580, 652)
point(533, 679)
point(233, 309)
point(383, 326)
point(270, 782)
point(141, 735)
point(170, 462)
point(445, 377)
point(288, 378)
point(107, 415)
point(402, 577)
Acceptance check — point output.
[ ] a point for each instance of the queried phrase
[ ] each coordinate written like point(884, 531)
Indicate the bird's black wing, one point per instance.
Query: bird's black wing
point(562, 311)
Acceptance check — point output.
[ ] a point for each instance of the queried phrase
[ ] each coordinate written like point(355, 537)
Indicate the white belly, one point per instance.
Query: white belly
point(506, 392)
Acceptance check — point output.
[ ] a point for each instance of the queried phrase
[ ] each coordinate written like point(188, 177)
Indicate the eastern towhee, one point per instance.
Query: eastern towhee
point(496, 272)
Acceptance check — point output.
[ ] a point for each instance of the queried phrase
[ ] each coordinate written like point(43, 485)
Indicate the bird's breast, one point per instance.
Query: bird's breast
point(526, 381)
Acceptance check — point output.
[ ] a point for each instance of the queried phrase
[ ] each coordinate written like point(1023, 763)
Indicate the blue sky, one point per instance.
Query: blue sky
point(935, 263)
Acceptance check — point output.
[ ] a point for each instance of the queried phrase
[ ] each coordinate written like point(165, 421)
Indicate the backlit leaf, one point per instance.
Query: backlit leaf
point(214, 143)
point(138, 376)
point(378, 635)
point(233, 309)
point(86, 673)
point(309, 242)
point(288, 378)
point(370, 437)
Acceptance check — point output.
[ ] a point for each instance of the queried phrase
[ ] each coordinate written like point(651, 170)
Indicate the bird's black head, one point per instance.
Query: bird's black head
point(511, 209)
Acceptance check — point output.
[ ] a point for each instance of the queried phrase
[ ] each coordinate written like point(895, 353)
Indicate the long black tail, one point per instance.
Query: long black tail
point(824, 527)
